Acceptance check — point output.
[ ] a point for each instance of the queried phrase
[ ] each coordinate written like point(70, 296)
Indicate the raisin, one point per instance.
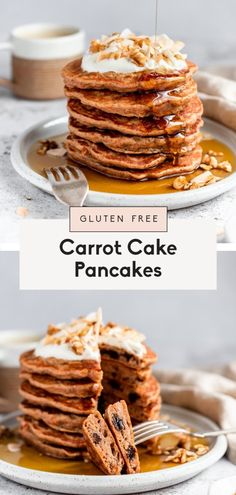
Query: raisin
point(130, 452)
point(133, 397)
point(114, 384)
point(113, 354)
point(118, 422)
point(96, 438)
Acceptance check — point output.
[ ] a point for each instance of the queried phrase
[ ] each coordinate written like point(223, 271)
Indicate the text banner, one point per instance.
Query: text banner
point(51, 257)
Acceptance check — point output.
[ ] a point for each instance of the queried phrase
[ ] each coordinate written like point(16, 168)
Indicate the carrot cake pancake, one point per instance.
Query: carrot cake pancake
point(110, 440)
point(72, 375)
point(61, 384)
point(54, 418)
point(126, 92)
point(125, 357)
point(118, 418)
point(101, 445)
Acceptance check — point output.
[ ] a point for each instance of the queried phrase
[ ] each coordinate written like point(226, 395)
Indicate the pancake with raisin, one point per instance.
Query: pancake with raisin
point(118, 419)
point(101, 445)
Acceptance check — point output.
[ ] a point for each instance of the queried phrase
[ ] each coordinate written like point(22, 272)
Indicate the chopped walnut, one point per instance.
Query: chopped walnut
point(206, 159)
point(203, 166)
point(203, 179)
point(225, 166)
point(180, 183)
point(181, 456)
point(78, 335)
point(213, 162)
point(96, 46)
point(57, 152)
point(215, 153)
point(137, 57)
point(138, 49)
point(45, 145)
point(78, 348)
point(210, 161)
point(52, 330)
point(201, 449)
point(206, 178)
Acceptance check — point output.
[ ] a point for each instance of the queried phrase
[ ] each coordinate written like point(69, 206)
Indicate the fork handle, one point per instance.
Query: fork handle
point(217, 433)
point(8, 417)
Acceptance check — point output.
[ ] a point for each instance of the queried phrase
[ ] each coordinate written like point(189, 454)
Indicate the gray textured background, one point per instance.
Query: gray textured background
point(186, 328)
point(207, 26)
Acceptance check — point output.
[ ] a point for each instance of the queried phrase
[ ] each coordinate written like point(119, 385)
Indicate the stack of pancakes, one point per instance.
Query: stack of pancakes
point(126, 363)
point(134, 126)
point(59, 393)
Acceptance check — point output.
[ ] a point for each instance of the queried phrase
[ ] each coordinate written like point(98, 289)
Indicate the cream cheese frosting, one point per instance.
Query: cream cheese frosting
point(76, 341)
point(125, 53)
point(124, 338)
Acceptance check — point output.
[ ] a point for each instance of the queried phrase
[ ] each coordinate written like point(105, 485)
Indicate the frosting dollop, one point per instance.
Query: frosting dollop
point(124, 338)
point(125, 52)
point(76, 341)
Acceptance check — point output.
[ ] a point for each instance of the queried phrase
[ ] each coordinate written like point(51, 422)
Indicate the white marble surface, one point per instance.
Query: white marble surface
point(15, 116)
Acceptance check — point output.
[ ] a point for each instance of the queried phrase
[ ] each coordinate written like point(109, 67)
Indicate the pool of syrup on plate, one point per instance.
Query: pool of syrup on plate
point(30, 458)
point(101, 183)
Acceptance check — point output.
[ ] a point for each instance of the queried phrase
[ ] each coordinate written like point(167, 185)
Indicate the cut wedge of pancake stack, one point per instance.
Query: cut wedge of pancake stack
point(59, 392)
point(127, 373)
point(135, 125)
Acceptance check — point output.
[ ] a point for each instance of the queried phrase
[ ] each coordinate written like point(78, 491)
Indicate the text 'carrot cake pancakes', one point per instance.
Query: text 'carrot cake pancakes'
point(61, 385)
point(133, 107)
point(126, 363)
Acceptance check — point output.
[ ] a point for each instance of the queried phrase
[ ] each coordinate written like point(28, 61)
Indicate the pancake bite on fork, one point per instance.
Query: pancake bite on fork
point(134, 112)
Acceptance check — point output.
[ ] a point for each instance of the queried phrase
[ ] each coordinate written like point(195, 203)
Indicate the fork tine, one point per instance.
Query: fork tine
point(50, 175)
point(148, 428)
point(151, 429)
point(144, 438)
point(60, 174)
point(154, 432)
point(147, 423)
point(69, 170)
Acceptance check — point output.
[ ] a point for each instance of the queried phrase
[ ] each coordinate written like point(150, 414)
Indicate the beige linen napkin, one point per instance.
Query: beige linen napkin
point(218, 94)
point(4, 406)
point(208, 393)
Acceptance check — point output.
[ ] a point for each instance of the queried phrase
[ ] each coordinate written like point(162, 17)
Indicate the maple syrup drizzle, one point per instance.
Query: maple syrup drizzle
point(156, 16)
point(28, 457)
point(101, 183)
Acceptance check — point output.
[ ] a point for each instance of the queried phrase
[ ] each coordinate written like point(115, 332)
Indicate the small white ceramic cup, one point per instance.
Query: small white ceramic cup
point(38, 54)
point(12, 344)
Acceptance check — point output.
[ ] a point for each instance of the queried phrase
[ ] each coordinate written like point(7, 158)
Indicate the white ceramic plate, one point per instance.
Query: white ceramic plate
point(110, 485)
point(173, 201)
